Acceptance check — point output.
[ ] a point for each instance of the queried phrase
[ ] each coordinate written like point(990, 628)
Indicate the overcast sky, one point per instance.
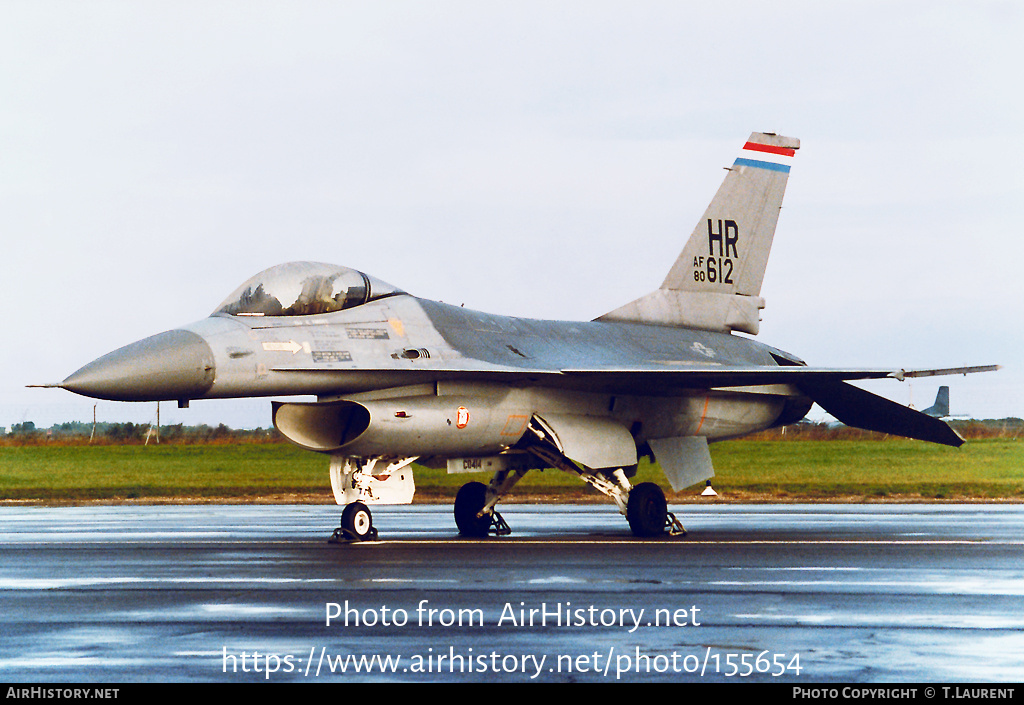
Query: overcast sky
point(540, 159)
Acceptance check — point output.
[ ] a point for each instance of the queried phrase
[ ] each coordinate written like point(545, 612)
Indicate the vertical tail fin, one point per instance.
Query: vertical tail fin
point(715, 284)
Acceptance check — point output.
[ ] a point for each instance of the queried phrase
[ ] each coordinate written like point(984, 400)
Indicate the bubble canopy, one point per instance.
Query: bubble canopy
point(304, 289)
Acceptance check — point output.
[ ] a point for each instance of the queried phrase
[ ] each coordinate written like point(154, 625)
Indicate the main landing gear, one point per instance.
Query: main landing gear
point(644, 506)
point(470, 516)
point(646, 510)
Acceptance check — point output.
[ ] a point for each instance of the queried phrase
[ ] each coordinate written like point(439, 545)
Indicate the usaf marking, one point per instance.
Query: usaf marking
point(718, 267)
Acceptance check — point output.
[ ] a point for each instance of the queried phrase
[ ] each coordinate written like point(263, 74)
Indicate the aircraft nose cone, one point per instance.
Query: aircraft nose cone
point(176, 364)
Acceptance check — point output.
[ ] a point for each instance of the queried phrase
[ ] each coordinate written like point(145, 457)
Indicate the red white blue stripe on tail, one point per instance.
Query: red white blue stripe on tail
point(766, 156)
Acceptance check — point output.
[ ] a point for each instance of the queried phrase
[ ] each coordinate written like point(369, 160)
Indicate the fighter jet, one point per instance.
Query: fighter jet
point(399, 379)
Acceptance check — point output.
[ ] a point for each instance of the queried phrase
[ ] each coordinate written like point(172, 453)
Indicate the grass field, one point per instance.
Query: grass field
point(746, 470)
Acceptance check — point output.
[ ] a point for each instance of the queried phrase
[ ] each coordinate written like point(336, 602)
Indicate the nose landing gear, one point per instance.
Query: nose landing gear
point(358, 482)
point(356, 523)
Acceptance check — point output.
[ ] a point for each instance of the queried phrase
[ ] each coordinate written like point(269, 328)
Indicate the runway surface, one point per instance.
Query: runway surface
point(768, 593)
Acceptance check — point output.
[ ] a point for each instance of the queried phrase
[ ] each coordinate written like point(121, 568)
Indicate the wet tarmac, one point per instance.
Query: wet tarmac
point(766, 593)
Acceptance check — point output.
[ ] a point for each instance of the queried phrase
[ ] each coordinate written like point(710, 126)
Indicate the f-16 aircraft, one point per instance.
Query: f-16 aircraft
point(399, 379)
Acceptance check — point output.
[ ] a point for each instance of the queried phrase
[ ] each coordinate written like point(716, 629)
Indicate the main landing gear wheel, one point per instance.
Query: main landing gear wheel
point(468, 503)
point(647, 510)
point(357, 523)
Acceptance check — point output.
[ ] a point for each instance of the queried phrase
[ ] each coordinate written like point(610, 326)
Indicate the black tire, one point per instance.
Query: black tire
point(647, 510)
point(468, 502)
point(357, 521)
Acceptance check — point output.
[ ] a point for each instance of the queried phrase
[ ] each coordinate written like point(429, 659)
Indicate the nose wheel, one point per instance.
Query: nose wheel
point(356, 524)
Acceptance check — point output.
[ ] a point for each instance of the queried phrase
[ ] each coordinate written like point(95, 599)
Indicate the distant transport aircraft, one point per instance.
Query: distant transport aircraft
point(399, 379)
point(940, 409)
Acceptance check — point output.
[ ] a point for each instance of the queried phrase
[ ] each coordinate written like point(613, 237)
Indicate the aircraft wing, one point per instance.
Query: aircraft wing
point(720, 376)
point(825, 386)
point(645, 378)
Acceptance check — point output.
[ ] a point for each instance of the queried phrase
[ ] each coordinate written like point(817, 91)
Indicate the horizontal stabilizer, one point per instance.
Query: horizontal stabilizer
point(860, 409)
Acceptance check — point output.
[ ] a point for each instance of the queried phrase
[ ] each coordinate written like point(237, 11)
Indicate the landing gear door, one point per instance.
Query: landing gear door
point(592, 441)
point(374, 483)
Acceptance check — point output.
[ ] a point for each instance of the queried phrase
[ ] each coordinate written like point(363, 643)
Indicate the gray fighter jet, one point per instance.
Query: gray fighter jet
point(399, 379)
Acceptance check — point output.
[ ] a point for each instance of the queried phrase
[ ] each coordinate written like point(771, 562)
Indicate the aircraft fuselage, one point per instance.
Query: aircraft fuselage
point(400, 342)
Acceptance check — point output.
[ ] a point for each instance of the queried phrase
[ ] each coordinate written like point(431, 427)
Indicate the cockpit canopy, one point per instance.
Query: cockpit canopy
point(302, 289)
